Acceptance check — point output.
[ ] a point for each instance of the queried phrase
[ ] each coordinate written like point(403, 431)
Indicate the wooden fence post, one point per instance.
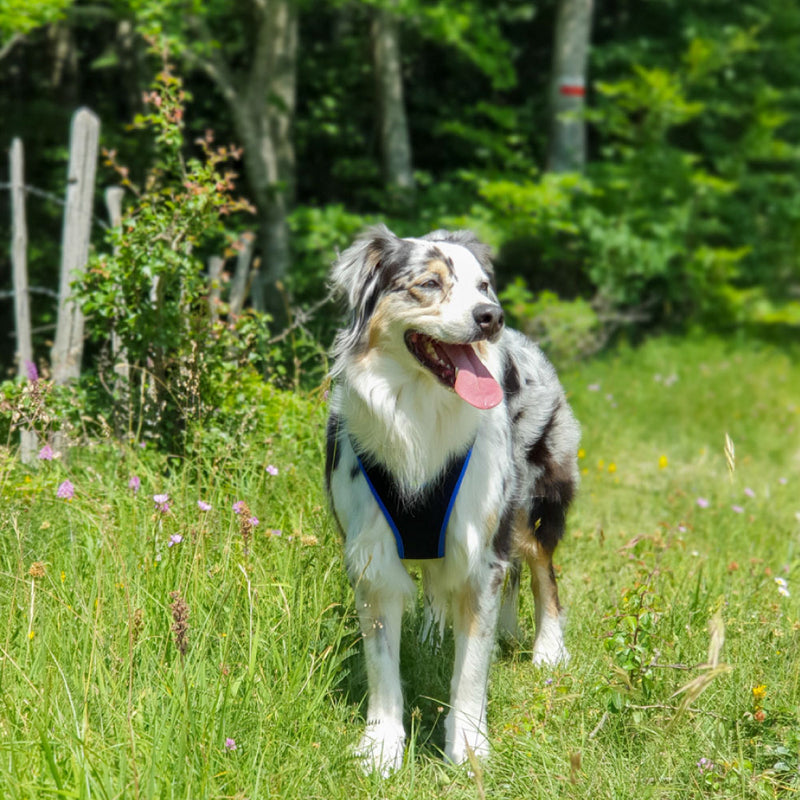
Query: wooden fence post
point(68, 347)
point(19, 266)
point(241, 278)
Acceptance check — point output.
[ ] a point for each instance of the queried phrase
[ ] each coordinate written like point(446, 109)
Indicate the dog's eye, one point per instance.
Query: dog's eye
point(431, 284)
point(484, 287)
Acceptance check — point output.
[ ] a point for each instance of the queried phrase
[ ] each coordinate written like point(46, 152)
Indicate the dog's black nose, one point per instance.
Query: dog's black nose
point(489, 318)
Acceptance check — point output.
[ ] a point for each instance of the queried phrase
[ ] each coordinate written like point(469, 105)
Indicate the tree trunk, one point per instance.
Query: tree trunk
point(68, 347)
point(392, 122)
point(568, 86)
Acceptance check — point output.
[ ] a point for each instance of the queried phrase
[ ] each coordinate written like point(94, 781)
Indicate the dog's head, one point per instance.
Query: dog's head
point(429, 303)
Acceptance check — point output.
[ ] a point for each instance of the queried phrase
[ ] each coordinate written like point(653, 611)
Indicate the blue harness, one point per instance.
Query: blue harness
point(418, 527)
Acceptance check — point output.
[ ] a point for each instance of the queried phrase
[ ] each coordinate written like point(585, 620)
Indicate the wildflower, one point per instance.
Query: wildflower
point(783, 589)
point(749, 492)
point(31, 634)
point(65, 491)
point(272, 470)
point(254, 521)
point(134, 484)
point(180, 626)
point(737, 509)
point(593, 387)
point(612, 468)
point(703, 502)
point(176, 538)
point(581, 453)
point(760, 715)
point(31, 371)
point(662, 462)
point(37, 570)
point(782, 481)
point(239, 506)
point(203, 506)
point(162, 502)
point(705, 765)
point(230, 744)
point(46, 453)
point(759, 692)
point(274, 532)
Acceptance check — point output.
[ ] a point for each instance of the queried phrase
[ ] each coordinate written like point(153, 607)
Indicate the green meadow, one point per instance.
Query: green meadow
point(204, 644)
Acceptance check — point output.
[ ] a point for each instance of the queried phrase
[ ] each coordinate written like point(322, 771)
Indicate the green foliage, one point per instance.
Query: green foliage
point(22, 16)
point(149, 291)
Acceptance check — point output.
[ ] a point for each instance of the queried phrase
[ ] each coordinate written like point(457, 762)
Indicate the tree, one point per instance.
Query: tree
point(568, 86)
point(261, 98)
point(393, 126)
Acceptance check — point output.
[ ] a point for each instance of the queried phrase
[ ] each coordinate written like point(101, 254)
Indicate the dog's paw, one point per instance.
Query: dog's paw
point(466, 737)
point(381, 748)
point(548, 646)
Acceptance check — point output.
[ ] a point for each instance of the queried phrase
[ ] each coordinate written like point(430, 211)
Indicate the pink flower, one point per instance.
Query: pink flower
point(176, 538)
point(737, 509)
point(46, 453)
point(31, 371)
point(65, 491)
point(203, 506)
point(230, 744)
point(162, 502)
point(134, 483)
point(238, 507)
point(749, 492)
point(272, 470)
point(703, 502)
point(254, 521)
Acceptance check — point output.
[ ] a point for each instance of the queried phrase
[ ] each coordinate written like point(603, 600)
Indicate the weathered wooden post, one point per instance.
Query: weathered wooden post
point(19, 266)
point(241, 278)
point(68, 347)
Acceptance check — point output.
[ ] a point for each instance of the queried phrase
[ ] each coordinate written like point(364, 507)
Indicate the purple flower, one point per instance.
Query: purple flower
point(31, 371)
point(46, 453)
point(254, 521)
point(238, 507)
point(203, 506)
point(703, 502)
point(230, 744)
point(705, 764)
point(749, 492)
point(176, 538)
point(65, 491)
point(272, 470)
point(162, 502)
point(275, 532)
point(134, 484)
point(737, 509)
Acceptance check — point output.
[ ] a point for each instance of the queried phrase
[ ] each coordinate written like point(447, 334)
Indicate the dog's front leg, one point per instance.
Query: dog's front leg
point(382, 745)
point(475, 612)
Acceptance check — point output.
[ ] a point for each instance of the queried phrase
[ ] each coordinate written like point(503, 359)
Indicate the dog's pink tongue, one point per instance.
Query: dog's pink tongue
point(474, 383)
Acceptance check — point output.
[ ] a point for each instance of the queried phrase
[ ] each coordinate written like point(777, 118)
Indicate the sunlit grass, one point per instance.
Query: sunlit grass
point(99, 701)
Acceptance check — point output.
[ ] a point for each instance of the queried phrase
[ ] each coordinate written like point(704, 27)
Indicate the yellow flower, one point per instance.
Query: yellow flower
point(612, 467)
point(600, 463)
point(581, 453)
point(759, 692)
point(662, 462)
point(31, 634)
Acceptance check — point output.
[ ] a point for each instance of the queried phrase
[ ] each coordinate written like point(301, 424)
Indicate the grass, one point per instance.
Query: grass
point(666, 545)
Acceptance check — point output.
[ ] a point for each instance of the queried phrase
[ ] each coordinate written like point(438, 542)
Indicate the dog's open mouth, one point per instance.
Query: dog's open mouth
point(458, 367)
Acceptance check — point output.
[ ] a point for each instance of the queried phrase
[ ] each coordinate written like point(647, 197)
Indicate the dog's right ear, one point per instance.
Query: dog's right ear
point(360, 271)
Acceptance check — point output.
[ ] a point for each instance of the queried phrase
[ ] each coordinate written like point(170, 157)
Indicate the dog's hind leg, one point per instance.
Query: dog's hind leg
point(380, 615)
point(548, 646)
point(475, 610)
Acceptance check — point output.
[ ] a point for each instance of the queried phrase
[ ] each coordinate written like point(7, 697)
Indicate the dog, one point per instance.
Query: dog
point(451, 448)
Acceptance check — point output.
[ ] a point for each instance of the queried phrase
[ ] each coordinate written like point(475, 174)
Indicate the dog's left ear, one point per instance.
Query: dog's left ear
point(467, 239)
point(364, 268)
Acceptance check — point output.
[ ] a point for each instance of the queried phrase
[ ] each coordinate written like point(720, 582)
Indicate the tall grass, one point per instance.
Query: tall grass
point(668, 549)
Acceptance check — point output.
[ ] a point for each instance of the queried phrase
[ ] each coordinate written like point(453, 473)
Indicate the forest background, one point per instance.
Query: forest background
point(685, 212)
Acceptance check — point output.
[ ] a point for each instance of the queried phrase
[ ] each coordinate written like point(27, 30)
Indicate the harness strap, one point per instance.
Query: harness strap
point(418, 527)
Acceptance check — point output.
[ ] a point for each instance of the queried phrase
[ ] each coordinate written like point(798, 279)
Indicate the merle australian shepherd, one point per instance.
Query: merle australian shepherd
point(451, 449)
